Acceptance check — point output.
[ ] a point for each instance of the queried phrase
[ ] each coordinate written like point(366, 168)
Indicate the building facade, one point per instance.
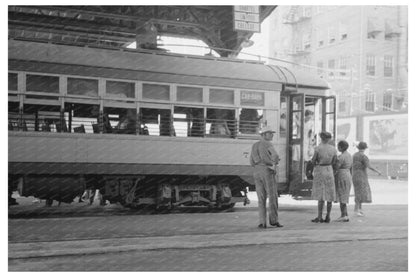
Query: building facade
point(360, 50)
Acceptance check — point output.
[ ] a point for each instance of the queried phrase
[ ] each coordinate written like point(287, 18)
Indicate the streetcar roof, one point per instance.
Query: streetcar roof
point(159, 67)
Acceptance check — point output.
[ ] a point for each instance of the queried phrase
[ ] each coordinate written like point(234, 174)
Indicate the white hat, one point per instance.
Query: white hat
point(266, 129)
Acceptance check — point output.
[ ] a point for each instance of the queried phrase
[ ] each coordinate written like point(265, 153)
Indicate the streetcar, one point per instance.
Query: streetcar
point(150, 128)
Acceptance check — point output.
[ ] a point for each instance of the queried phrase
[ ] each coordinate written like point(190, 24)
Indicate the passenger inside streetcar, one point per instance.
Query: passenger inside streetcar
point(127, 124)
point(220, 120)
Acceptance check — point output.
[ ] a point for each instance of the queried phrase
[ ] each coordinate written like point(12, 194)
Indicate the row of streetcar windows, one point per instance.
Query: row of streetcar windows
point(183, 122)
point(86, 116)
point(46, 84)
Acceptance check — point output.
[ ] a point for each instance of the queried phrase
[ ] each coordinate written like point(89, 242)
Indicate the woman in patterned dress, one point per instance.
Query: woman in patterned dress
point(323, 188)
point(362, 191)
point(343, 180)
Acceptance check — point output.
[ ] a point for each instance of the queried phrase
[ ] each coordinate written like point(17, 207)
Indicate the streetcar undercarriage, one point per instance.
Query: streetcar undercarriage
point(158, 192)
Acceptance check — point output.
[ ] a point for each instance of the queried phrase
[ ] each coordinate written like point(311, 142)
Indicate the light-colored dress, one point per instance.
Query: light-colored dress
point(343, 179)
point(362, 190)
point(323, 187)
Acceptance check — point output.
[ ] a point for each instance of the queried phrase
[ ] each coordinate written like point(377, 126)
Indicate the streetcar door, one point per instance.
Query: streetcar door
point(296, 126)
point(309, 115)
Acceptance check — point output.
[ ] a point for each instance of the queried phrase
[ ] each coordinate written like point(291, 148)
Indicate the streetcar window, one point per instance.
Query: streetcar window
point(221, 96)
point(189, 94)
point(156, 122)
point(13, 114)
point(42, 83)
point(120, 89)
point(42, 118)
point(220, 123)
point(119, 120)
point(85, 87)
point(84, 116)
point(12, 81)
point(249, 122)
point(188, 122)
point(156, 92)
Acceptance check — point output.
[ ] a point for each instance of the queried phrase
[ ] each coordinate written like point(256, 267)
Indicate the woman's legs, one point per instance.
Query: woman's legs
point(320, 208)
point(343, 207)
point(328, 211)
point(358, 207)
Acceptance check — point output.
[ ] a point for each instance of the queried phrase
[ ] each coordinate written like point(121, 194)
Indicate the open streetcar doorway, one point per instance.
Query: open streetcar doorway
point(308, 115)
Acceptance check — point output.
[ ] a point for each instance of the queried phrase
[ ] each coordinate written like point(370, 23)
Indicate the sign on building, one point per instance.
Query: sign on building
point(247, 18)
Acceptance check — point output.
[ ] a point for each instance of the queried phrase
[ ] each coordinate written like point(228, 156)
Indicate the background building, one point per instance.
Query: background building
point(362, 51)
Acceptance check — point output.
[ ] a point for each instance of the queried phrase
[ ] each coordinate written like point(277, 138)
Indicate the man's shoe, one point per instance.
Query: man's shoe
point(277, 224)
point(262, 226)
point(327, 219)
point(317, 220)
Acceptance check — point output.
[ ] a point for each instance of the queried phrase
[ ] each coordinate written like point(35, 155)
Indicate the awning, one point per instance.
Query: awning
point(392, 28)
point(374, 25)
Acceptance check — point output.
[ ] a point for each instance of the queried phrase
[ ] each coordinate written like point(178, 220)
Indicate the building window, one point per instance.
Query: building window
point(387, 100)
point(306, 11)
point(319, 9)
point(320, 66)
point(321, 38)
point(388, 66)
point(371, 65)
point(331, 67)
point(343, 66)
point(343, 33)
point(342, 106)
point(331, 35)
point(306, 42)
point(369, 100)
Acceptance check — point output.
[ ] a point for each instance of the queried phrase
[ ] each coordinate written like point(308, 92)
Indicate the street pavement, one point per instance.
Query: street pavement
point(114, 239)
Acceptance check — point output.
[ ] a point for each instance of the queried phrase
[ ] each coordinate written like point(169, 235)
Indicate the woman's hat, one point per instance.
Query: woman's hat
point(266, 129)
point(362, 145)
point(325, 135)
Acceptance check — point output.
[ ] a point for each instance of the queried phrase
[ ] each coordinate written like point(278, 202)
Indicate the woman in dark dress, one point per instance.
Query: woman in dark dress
point(323, 187)
point(362, 191)
point(343, 179)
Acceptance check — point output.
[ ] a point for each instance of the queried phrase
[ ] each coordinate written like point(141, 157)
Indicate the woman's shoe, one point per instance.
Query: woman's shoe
point(317, 220)
point(342, 219)
point(277, 224)
point(327, 219)
point(360, 213)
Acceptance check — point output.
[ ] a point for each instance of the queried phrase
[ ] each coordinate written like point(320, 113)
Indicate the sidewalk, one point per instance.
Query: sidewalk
point(384, 192)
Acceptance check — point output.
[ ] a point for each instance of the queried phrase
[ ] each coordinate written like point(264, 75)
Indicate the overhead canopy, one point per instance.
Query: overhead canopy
point(121, 25)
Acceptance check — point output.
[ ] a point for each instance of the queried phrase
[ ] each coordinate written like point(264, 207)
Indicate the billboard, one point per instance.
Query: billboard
point(387, 136)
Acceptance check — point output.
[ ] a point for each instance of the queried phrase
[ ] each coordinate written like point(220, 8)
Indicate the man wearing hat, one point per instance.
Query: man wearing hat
point(264, 158)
